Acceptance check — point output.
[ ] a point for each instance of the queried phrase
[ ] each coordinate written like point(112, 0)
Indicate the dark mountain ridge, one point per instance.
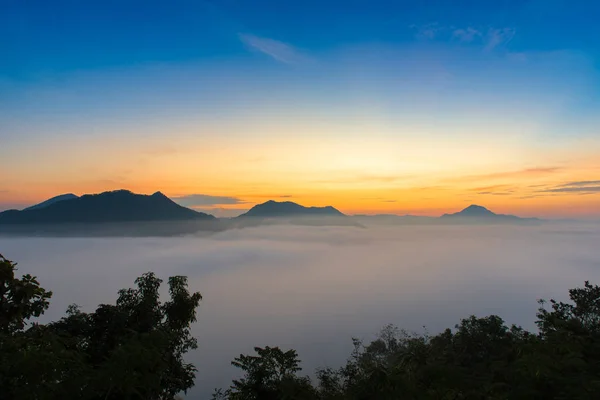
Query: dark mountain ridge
point(56, 199)
point(276, 209)
point(475, 213)
point(114, 206)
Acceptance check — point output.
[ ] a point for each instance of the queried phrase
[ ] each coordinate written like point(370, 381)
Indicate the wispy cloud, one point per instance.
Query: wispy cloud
point(575, 189)
point(428, 31)
point(498, 36)
point(269, 196)
point(276, 49)
point(496, 193)
point(364, 178)
point(490, 38)
point(195, 200)
point(466, 35)
point(579, 183)
point(523, 173)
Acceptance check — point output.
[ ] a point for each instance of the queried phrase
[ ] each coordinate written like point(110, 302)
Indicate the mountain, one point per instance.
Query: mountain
point(475, 213)
point(62, 197)
point(115, 206)
point(275, 209)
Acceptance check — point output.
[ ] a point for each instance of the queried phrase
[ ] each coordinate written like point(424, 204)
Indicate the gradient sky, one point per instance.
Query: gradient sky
point(418, 107)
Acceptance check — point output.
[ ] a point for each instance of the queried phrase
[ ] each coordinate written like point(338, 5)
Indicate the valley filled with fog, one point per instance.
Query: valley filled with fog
point(313, 288)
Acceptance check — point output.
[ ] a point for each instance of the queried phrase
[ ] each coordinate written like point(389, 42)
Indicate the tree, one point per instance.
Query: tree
point(20, 299)
point(131, 350)
point(481, 358)
point(271, 374)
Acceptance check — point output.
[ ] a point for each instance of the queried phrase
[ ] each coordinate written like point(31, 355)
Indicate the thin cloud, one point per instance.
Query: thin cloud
point(575, 189)
point(527, 172)
point(275, 49)
point(271, 196)
point(498, 36)
point(466, 35)
point(361, 178)
point(495, 193)
point(492, 188)
point(531, 196)
point(491, 38)
point(195, 200)
point(579, 183)
point(428, 31)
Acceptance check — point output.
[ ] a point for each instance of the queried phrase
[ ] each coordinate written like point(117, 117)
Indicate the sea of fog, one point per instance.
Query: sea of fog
point(314, 288)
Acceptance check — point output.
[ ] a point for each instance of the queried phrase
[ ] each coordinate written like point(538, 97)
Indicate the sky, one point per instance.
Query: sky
point(419, 107)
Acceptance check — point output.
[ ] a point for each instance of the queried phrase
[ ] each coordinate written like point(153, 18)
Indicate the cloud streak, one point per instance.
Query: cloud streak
point(275, 49)
point(195, 200)
point(579, 183)
point(428, 31)
point(466, 35)
point(523, 173)
point(491, 38)
point(496, 37)
point(574, 189)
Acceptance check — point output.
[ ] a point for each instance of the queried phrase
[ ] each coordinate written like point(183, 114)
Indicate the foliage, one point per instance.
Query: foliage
point(481, 358)
point(20, 299)
point(271, 374)
point(131, 350)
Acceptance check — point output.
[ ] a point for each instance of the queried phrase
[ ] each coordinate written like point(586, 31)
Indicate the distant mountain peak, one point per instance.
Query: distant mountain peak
point(476, 210)
point(159, 194)
point(475, 213)
point(473, 210)
point(272, 208)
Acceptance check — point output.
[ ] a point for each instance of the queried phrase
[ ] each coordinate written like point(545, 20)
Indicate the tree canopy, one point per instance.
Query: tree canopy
point(130, 350)
point(481, 358)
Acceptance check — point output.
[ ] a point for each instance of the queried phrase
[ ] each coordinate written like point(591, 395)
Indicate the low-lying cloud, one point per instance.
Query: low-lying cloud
point(314, 288)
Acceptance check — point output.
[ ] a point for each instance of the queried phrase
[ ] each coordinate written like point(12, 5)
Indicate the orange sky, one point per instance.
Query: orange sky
point(359, 175)
point(425, 126)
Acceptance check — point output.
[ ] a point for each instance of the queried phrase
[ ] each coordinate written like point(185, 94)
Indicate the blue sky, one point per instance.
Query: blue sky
point(44, 38)
point(516, 82)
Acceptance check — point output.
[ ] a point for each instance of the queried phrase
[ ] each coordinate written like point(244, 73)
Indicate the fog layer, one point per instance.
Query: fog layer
point(314, 288)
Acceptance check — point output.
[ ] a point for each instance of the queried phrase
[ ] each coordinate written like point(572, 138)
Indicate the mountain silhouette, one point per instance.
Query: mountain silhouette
point(53, 200)
point(475, 213)
point(272, 209)
point(115, 206)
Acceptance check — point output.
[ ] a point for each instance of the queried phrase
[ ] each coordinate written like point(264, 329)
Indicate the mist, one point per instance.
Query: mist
point(313, 288)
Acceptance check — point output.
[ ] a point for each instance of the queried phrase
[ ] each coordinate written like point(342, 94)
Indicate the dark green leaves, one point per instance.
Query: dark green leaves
point(131, 350)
